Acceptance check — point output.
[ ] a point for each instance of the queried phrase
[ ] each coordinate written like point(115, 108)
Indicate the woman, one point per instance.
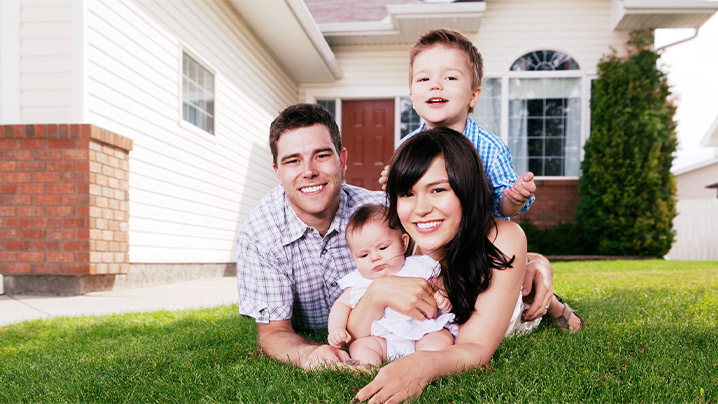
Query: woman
point(444, 204)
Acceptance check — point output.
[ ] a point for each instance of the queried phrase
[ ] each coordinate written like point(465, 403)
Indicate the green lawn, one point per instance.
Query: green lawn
point(651, 336)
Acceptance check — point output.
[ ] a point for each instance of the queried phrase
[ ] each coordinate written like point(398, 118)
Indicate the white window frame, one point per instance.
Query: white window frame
point(183, 49)
point(548, 74)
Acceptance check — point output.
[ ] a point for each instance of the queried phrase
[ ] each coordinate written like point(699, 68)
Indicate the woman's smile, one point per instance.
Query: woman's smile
point(431, 212)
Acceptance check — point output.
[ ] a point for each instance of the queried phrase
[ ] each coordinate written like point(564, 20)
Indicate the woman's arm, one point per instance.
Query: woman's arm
point(410, 296)
point(478, 338)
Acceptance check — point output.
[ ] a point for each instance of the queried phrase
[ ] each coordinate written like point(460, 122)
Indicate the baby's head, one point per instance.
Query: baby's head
point(450, 41)
point(377, 248)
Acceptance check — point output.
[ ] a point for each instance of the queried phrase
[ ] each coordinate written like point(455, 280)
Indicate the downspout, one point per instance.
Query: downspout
point(695, 34)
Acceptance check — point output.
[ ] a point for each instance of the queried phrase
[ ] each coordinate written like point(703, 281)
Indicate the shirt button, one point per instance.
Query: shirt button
point(333, 284)
point(324, 251)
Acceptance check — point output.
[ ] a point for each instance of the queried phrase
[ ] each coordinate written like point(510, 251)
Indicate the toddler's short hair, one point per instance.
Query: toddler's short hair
point(450, 39)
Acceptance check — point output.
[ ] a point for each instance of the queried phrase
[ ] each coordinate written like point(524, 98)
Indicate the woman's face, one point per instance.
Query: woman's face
point(430, 212)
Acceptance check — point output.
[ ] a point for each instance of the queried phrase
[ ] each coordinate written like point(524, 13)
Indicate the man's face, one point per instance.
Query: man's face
point(311, 171)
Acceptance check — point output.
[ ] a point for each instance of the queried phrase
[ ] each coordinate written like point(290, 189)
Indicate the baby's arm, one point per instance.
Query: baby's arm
point(337, 322)
point(517, 196)
point(442, 299)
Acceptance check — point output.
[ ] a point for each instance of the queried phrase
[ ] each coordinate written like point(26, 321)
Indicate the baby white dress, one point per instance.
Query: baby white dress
point(401, 331)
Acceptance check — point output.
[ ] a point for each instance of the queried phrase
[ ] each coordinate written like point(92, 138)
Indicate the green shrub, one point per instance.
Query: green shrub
point(627, 190)
point(561, 239)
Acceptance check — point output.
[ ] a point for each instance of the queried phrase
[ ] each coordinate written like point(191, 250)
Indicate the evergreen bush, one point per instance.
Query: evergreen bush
point(561, 239)
point(627, 190)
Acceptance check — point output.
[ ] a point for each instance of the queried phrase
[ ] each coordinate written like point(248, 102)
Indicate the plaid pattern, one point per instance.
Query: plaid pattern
point(285, 269)
point(496, 158)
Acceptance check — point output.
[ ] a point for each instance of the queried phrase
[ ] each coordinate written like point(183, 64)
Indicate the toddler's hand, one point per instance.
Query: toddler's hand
point(338, 337)
point(522, 190)
point(443, 301)
point(382, 179)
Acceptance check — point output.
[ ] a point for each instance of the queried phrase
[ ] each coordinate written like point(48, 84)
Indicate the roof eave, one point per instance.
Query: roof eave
point(405, 22)
point(289, 32)
point(711, 137)
point(627, 15)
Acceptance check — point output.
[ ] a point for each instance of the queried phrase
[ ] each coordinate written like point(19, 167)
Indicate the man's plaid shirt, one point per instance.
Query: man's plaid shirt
point(496, 158)
point(285, 269)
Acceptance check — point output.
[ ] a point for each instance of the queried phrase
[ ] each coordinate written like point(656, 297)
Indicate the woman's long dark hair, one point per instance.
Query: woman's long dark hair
point(470, 257)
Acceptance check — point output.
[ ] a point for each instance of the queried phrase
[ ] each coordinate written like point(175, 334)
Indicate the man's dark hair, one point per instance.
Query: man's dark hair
point(301, 116)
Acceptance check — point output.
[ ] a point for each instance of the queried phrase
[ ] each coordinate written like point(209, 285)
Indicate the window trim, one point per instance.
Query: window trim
point(548, 74)
point(183, 123)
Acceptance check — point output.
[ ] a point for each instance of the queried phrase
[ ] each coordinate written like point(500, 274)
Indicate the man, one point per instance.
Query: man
point(292, 250)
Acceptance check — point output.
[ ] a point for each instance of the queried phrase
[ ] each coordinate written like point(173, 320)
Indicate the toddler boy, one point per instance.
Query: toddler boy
point(445, 72)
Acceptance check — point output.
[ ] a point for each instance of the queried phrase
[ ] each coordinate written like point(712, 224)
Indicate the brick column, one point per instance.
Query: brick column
point(65, 211)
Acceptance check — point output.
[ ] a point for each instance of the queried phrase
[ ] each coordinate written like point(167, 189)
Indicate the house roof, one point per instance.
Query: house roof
point(711, 137)
point(288, 30)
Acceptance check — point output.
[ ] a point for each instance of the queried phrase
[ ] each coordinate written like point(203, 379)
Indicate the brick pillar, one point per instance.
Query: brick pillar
point(556, 202)
point(65, 211)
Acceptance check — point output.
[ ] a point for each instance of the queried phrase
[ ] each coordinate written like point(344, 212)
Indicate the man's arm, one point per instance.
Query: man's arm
point(537, 286)
point(279, 341)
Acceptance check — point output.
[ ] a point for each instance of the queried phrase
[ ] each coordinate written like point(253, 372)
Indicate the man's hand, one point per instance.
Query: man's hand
point(383, 177)
point(538, 286)
point(279, 341)
point(338, 337)
point(522, 190)
point(322, 356)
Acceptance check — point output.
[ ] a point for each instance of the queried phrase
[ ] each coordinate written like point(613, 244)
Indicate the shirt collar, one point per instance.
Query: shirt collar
point(295, 228)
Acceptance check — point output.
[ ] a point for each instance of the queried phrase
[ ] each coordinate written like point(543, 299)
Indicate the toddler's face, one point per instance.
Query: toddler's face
point(441, 87)
point(377, 249)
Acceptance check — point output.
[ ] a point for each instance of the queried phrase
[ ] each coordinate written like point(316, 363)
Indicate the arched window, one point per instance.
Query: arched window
point(544, 114)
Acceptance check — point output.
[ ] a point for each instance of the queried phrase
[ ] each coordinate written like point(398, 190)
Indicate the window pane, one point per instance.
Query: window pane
point(330, 105)
point(197, 94)
point(544, 125)
point(410, 120)
point(487, 111)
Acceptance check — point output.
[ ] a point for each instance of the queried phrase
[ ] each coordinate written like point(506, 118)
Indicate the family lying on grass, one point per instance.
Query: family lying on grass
point(468, 281)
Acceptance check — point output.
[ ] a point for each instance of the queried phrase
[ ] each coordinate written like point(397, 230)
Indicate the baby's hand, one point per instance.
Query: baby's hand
point(442, 301)
point(338, 337)
point(382, 179)
point(522, 190)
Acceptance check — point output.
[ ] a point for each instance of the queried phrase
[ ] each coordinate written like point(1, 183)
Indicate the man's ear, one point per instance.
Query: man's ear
point(475, 97)
point(405, 240)
point(343, 161)
point(276, 172)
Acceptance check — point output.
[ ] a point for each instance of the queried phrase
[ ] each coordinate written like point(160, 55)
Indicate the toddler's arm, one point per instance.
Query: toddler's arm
point(517, 196)
point(337, 322)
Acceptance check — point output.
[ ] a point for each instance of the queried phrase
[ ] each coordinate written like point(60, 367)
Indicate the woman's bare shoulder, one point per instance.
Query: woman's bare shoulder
point(507, 233)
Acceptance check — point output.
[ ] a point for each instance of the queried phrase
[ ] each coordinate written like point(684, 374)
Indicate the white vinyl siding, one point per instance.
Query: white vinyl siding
point(46, 51)
point(189, 191)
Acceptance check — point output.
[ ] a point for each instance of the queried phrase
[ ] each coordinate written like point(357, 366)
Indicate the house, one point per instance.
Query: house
point(134, 133)
point(696, 223)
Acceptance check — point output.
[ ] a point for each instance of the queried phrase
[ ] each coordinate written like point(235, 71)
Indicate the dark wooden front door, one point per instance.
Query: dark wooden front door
point(368, 135)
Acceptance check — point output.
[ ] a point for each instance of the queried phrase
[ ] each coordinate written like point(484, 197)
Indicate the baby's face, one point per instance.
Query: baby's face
point(378, 250)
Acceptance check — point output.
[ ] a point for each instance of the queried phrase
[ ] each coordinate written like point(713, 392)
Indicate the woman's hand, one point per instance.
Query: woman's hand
point(409, 296)
point(401, 380)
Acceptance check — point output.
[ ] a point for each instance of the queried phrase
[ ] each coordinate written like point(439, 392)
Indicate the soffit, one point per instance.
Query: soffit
point(289, 32)
point(405, 22)
point(629, 15)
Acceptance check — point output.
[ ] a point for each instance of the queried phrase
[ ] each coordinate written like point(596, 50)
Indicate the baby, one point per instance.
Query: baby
point(378, 250)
